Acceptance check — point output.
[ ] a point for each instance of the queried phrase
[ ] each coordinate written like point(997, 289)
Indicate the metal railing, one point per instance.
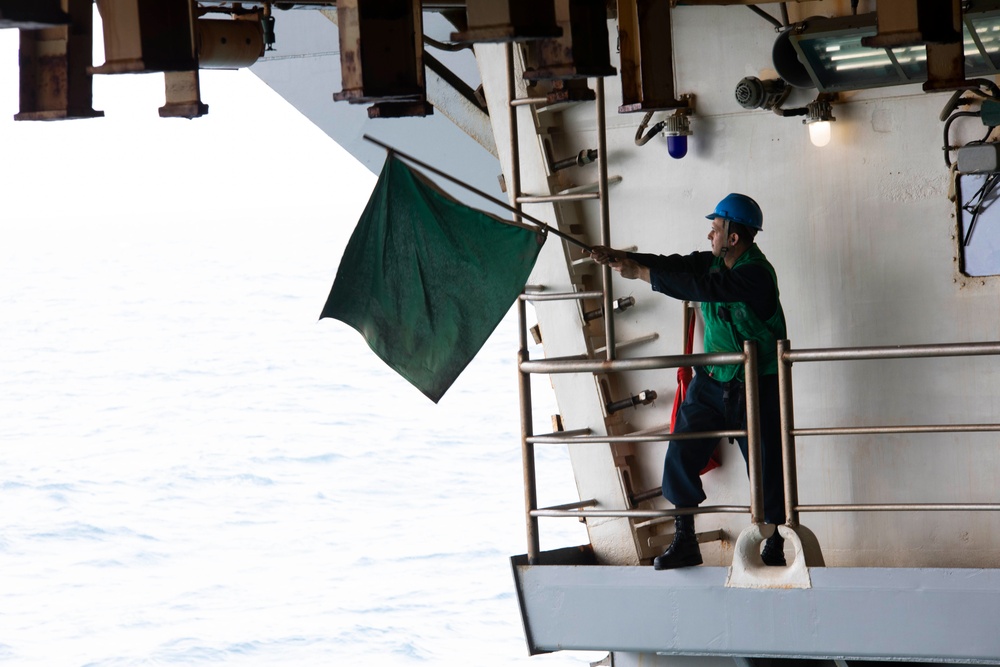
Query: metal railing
point(527, 367)
point(787, 356)
point(518, 198)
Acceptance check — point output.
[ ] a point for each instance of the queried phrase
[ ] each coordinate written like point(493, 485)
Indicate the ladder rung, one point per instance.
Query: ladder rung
point(621, 345)
point(591, 187)
point(545, 199)
point(525, 101)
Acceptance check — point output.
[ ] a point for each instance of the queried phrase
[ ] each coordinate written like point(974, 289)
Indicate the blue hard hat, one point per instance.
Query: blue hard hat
point(740, 209)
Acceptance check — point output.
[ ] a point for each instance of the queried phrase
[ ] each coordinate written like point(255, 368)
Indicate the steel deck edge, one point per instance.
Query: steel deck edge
point(948, 615)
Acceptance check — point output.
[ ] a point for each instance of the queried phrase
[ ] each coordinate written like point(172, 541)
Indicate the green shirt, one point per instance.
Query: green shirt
point(729, 324)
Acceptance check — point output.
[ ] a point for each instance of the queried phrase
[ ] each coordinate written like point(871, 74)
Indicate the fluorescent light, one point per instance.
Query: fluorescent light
point(830, 50)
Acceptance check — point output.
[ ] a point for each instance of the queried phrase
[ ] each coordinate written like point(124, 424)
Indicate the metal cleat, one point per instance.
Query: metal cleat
point(749, 571)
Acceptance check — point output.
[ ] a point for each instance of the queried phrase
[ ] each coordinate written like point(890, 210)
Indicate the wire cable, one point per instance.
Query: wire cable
point(947, 129)
point(641, 140)
point(979, 202)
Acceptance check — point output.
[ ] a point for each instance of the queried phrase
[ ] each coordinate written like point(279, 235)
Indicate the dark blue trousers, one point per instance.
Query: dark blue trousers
point(712, 406)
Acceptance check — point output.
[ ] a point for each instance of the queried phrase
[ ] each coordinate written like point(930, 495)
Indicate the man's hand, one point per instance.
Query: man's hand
point(619, 261)
point(602, 254)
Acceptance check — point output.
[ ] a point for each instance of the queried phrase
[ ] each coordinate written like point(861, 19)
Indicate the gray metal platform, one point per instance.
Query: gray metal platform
point(938, 615)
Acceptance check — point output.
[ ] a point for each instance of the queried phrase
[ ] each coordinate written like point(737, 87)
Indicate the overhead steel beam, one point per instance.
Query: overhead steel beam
point(31, 14)
point(427, 5)
point(509, 21)
point(583, 49)
point(56, 83)
point(647, 57)
point(147, 36)
point(913, 22)
point(381, 54)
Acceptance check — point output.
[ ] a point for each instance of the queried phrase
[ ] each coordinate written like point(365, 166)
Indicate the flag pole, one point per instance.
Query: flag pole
point(479, 192)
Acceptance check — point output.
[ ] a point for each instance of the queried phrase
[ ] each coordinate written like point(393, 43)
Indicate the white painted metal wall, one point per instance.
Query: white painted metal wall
point(863, 237)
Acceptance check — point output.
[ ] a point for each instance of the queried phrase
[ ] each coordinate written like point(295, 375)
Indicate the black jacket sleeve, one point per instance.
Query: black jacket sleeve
point(692, 278)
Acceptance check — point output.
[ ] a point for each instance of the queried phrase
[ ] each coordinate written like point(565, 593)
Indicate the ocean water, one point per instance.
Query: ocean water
point(198, 472)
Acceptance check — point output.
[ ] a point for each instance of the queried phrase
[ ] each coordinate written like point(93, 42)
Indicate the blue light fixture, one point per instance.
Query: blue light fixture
point(677, 129)
point(677, 146)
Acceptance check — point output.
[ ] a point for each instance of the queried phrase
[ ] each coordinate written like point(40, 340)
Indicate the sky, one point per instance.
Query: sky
point(253, 158)
point(252, 153)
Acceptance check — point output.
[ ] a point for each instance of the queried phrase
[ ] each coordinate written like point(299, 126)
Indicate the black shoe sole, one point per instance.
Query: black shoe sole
point(686, 562)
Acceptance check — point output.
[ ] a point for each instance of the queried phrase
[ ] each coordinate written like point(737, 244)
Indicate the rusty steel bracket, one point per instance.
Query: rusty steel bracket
point(420, 108)
point(935, 23)
point(912, 22)
point(32, 14)
point(583, 50)
point(647, 69)
point(508, 21)
point(183, 92)
point(55, 81)
point(147, 36)
point(945, 66)
point(381, 51)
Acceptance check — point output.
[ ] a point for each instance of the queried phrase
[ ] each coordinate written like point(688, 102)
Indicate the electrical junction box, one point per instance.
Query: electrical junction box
point(979, 159)
point(989, 112)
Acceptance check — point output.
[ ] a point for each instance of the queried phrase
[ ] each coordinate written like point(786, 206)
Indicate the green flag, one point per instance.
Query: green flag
point(426, 279)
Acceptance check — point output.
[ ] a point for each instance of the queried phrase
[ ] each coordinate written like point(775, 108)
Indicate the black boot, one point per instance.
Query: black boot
point(774, 550)
point(683, 551)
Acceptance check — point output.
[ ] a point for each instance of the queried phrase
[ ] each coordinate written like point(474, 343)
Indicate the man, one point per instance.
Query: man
point(738, 291)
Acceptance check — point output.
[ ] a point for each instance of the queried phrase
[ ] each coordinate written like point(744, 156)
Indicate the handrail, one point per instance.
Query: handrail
point(605, 218)
point(902, 507)
point(659, 437)
point(527, 447)
point(787, 356)
point(888, 430)
point(892, 352)
point(524, 384)
point(642, 514)
point(526, 367)
point(572, 365)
